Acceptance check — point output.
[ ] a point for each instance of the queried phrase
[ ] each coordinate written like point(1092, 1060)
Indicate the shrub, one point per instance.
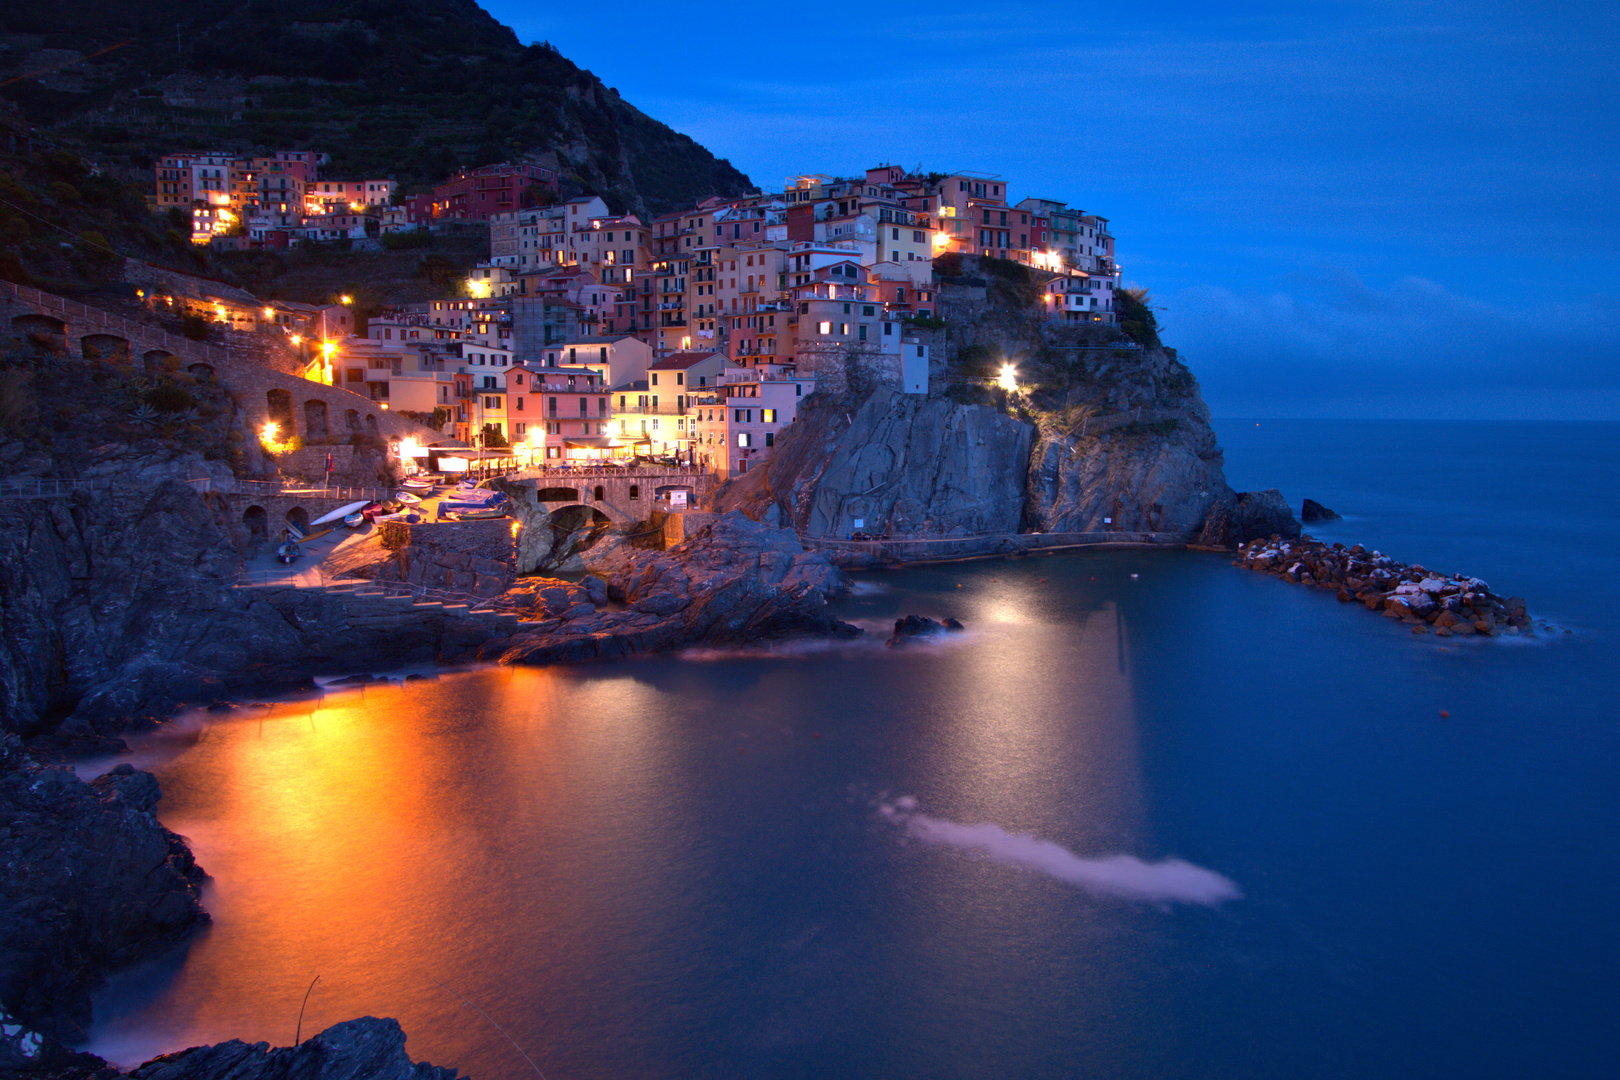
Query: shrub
point(394, 535)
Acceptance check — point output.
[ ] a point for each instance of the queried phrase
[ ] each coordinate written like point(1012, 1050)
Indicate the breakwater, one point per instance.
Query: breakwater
point(1426, 600)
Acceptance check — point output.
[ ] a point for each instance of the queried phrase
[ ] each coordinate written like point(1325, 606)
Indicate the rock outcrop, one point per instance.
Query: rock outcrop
point(364, 1049)
point(735, 581)
point(1134, 483)
point(902, 464)
point(89, 881)
point(1240, 517)
point(1315, 511)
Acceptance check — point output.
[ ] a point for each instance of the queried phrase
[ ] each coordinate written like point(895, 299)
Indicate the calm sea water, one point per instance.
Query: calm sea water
point(842, 860)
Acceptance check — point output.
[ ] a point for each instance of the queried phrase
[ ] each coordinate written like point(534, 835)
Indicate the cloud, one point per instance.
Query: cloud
point(1122, 877)
point(1329, 344)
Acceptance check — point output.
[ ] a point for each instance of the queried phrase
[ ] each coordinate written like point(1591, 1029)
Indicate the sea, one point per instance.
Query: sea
point(1148, 815)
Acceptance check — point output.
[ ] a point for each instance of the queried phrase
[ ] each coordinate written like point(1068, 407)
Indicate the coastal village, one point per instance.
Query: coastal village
point(589, 336)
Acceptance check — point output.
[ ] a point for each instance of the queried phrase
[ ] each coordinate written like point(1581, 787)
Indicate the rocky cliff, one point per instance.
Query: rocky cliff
point(899, 463)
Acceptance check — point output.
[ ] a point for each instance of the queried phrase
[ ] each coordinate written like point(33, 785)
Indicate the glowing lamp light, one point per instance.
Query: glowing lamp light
point(345, 299)
point(1008, 380)
point(269, 313)
point(328, 348)
point(297, 339)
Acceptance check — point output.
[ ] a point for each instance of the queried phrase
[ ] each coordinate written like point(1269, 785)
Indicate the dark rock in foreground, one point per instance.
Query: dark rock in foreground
point(1315, 511)
point(363, 1049)
point(89, 882)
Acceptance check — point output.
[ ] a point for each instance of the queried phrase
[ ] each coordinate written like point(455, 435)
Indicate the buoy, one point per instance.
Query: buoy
point(815, 734)
point(1135, 576)
point(959, 585)
point(1445, 714)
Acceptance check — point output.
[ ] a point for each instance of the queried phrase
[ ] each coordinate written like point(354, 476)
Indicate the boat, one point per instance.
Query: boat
point(407, 498)
point(340, 514)
point(287, 553)
point(417, 483)
point(481, 515)
point(353, 520)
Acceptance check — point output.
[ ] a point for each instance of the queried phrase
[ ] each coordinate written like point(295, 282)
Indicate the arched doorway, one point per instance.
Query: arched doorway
point(108, 348)
point(257, 522)
point(42, 332)
point(315, 419)
point(279, 404)
point(298, 517)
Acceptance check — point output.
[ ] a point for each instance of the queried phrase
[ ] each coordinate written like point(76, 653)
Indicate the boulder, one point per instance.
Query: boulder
point(1315, 511)
point(1248, 516)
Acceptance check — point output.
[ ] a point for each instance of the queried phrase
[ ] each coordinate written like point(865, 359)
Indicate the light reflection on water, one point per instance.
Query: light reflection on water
point(622, 863)
point(680, 866)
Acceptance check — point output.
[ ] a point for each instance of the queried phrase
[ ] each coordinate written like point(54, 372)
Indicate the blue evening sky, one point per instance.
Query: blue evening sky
point(1399, 209)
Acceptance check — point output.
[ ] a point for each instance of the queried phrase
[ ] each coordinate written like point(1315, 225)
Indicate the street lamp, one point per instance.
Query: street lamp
point(1008, 380)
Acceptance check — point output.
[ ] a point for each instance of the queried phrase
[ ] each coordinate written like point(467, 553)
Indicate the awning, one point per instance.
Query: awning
point(592, 442)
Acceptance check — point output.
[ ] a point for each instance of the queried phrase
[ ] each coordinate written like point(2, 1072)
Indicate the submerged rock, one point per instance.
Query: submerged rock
point(919, 626)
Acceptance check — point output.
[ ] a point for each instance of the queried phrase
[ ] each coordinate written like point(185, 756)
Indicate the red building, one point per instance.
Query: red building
point(475, 194)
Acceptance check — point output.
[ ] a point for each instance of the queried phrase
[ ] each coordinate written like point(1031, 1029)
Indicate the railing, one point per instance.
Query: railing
point(609, 472)
point(79, 313)
point(341, 493)
point(948, 547)
point(40, 488)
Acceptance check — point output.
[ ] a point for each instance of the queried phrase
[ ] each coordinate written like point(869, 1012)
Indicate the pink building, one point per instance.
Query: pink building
point(475, 194)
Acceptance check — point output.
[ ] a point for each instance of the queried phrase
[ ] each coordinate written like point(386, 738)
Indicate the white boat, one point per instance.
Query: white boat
point(340, 513)
point(417, 483)
point(407, 498)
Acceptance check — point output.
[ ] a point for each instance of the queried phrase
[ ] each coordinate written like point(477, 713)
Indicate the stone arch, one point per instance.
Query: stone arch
point(152, 360)
point(315, 419)
point(371, 423)
point(351, 419)
point(279, 405)
point(557, 494)
point(598, 494)
point(257, 522)
point(108, 347)
point(298, 517)
point(584, 524)
point(201, 372)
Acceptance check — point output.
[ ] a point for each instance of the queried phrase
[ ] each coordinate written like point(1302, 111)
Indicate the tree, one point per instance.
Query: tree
point(1136, 317)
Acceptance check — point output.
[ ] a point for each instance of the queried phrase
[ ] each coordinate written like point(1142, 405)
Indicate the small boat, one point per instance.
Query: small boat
point(417, 483)
point(480, 515)
point(287, 553)
point(340, 514)
point(353, 520)
point(407, 498)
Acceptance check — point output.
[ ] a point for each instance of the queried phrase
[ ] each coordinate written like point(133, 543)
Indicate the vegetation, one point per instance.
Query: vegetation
point(1136, 318)
point(412, 89)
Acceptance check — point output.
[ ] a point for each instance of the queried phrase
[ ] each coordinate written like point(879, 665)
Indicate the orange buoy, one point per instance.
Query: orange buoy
point(1445, 714)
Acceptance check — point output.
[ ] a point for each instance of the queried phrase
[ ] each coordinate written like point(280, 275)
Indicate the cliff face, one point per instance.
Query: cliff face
point(899, 463)
point(1107, 440)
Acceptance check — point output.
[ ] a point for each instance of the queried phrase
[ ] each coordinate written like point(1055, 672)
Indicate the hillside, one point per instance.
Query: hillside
point(407, 88)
